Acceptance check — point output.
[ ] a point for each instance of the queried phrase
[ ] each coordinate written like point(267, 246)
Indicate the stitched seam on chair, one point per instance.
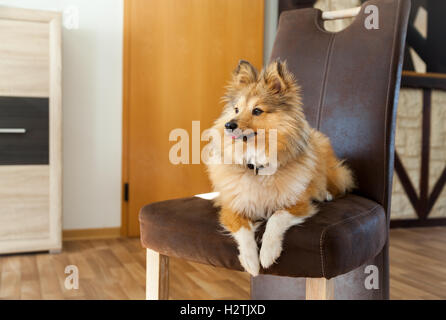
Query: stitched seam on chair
point(322, 238)
point(385, 173)
point(324, 81)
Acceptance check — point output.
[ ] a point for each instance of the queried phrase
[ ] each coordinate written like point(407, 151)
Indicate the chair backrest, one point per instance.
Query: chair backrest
point(350, 85)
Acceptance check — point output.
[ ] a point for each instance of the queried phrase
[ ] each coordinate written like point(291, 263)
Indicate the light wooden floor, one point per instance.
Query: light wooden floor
point(418, 263)
point(114, 269)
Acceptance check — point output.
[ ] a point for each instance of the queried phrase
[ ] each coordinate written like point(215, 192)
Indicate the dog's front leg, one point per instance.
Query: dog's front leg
point(276, 227)
point(243, 232)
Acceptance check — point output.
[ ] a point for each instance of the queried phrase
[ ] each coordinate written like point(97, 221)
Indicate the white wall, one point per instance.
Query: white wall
point(92, 111)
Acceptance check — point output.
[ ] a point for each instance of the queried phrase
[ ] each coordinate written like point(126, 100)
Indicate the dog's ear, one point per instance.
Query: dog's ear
point(277, 78)
point(244, 74)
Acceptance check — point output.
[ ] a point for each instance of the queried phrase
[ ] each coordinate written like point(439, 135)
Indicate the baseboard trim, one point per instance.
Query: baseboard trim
point(86, 234)
point(415, 223)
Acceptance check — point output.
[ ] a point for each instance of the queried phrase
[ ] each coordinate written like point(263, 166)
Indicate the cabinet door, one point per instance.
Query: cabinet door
point(24, 202)
point(24, 58)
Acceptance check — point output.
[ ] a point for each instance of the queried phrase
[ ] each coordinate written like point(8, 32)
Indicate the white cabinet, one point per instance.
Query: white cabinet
point(30, 130)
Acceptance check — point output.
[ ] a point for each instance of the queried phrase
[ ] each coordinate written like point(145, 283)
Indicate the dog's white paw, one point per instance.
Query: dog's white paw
point(250, 261)
point(272, 239)
point(247, 246)
point(328, 196)
point(270, 251)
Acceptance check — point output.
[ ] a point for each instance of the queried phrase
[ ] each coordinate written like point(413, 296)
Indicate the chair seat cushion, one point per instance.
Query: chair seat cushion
point(342, 236)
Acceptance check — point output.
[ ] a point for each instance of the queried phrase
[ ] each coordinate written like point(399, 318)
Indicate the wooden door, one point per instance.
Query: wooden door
point(178, 56)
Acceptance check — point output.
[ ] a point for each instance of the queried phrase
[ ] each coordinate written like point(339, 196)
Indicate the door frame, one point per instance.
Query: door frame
point(125, 117)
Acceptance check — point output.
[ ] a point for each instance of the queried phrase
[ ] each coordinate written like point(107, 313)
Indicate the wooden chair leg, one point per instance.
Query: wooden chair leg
point(319, 289)
point(157, 276)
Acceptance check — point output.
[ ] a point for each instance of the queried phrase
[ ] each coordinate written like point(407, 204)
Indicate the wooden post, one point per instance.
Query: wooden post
point(157, 276)
point(319, 289)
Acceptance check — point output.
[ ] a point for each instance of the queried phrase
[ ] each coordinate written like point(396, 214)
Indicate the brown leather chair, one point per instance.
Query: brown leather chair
point(350, 84)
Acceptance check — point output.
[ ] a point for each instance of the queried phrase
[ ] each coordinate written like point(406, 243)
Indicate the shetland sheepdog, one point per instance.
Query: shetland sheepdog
point(306, 167)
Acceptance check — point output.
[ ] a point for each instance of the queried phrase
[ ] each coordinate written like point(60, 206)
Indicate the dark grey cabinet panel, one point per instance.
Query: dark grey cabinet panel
point(32, 146)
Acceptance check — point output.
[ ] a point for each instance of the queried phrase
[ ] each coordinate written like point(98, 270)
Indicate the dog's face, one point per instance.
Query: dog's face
point(265, 101)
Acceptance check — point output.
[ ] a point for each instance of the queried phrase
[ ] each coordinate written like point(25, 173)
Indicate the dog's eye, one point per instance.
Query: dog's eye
point(236, 110)
point(257, 111)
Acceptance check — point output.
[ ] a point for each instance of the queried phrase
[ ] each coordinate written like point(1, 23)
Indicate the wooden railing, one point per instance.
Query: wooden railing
point(424, 202)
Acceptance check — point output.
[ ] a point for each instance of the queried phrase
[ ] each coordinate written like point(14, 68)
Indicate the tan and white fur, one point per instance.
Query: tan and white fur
point(307, 167)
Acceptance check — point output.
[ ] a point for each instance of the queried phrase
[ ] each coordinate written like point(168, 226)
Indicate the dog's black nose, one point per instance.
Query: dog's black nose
point(231, 125)
point(250, 166)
